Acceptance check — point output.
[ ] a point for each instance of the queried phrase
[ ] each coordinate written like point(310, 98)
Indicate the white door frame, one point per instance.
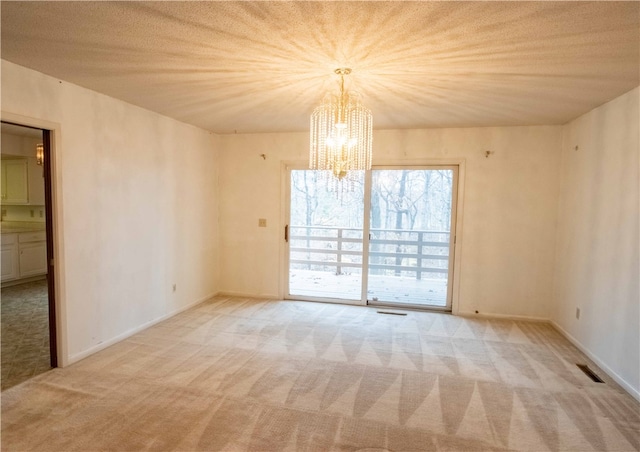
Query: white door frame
point(58, 237)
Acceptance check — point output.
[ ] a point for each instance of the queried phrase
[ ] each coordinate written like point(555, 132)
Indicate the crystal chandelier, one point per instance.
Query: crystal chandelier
point(341, 137)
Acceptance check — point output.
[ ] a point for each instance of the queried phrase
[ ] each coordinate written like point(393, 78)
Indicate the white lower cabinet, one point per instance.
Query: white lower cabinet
point(23, 255)
point(9, 261)
point(33, 259)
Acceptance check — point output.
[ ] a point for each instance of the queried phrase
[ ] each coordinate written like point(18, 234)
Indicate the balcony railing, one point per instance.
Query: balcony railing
point(401, 252)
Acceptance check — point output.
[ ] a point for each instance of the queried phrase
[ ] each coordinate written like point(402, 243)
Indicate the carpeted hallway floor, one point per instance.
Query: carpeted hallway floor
point(25, 332)
point(236, 374)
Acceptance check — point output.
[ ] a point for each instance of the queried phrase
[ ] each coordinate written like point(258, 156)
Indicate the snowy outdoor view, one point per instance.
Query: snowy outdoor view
point(410, 216)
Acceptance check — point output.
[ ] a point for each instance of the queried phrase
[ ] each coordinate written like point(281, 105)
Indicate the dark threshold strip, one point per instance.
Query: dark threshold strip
point(589, 373)
point(392, 313)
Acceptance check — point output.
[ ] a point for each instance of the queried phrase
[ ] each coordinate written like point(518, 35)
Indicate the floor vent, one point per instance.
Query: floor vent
point(589, 373)
point(392, 313)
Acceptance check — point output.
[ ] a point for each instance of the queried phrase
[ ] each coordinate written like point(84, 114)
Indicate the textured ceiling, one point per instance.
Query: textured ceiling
point(263, 66)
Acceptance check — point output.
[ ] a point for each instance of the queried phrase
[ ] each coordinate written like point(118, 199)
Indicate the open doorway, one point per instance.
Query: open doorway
point(28, 341)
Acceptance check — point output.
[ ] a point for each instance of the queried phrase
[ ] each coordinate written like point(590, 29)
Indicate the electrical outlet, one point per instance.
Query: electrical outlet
point(41, 214)
point(578, 313)
point(174, 287)
point(262, 222)
point(32, 213)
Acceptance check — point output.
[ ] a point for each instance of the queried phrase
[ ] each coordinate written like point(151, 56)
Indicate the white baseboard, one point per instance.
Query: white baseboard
point(484, 315)
point(102, 345)
point(635, 393)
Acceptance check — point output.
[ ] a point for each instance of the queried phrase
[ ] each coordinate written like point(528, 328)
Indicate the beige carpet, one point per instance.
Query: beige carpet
point(237, 374)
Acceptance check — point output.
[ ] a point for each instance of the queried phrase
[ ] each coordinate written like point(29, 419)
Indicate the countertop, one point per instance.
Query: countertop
point(16, 229)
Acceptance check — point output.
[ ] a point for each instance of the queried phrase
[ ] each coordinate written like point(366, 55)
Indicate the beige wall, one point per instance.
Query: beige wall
point(17, 145)
point(137, 203)
point(509, 213)
point(596, 266)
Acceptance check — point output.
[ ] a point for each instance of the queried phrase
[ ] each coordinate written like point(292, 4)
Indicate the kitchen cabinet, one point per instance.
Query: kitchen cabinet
point(15, 178)
point(23, 255)
point(22, 181)
point(35, 182)
point(9, 257)
point(33, 259)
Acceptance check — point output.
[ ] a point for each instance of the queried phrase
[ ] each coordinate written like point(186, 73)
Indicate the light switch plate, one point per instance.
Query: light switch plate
point(262, 222)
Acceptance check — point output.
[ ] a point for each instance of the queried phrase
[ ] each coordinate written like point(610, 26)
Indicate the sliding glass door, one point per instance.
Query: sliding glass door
point(410, 240)
point(400, 256)
point(325, 237)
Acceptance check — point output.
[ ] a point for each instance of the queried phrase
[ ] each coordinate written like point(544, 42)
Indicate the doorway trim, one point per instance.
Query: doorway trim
point(55, 222)
point(285, 166)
